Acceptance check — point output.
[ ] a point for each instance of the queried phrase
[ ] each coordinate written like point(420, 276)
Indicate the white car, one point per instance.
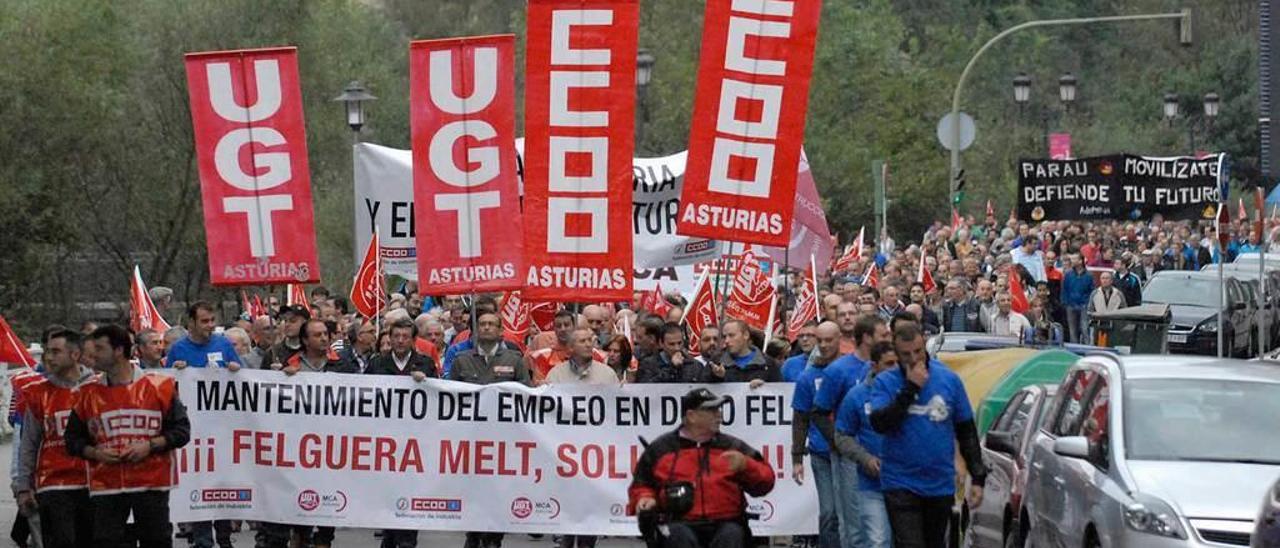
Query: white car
point(1157, 451)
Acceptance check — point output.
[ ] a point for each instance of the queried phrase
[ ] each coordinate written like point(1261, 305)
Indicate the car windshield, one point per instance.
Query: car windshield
point(1181, 291)
point(1202, 420)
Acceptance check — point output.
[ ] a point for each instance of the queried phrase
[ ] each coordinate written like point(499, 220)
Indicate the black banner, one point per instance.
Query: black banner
point(1120, 186)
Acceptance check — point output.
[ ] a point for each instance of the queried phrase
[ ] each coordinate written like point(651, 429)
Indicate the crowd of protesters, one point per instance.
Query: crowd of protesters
point(878, 418)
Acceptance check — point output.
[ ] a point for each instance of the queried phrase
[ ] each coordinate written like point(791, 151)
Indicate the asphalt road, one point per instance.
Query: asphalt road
point(346, 538)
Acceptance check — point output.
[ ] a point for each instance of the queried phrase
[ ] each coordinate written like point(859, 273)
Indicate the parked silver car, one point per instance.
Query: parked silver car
point(1154, 451)
point(1005, 449)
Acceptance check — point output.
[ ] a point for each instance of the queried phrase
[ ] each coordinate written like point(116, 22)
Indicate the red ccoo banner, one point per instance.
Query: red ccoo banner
point(579, 124)
point(748, 120)
point(462, 105)
point(251, 149)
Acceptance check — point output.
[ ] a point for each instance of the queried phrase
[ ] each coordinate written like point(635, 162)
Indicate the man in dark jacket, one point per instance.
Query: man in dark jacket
point(671, 363)
point(489, 361)
point(960, 312)
point(492, 360)
point(291, 319)
point(741, 361)
point(694, 480)
point(402, 360)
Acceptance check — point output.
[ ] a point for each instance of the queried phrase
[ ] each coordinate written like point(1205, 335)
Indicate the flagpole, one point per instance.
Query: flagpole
point(773, 312)
point(813, 273)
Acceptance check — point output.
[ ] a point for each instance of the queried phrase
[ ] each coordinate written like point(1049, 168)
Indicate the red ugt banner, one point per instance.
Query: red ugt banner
point(748, 120)
point(251, 148)
point(752, 294)
point(462, 105)
point(579, 124)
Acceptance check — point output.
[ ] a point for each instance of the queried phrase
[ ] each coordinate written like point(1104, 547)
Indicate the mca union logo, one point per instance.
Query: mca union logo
point(524, 508)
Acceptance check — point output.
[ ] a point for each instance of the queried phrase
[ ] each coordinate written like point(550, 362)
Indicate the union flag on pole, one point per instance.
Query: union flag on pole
point(956, 220)
point(142, 312)
point(872, 277)
point(297, 296)
point(515, 316)
point(851, 255)
point(924, 277)
point(1017, 293)
point(246, 306)
point(991, 211)
point(701, 313)
point(259, 309)
point(655, 302)
point(806, 303)
point(752, 294)
point(368, 294)
point(11, 348)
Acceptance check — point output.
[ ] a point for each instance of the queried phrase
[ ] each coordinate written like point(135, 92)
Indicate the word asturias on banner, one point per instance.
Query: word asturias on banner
point(257, 204)
point(462, 104)
point(748, 119)
point(579, 123)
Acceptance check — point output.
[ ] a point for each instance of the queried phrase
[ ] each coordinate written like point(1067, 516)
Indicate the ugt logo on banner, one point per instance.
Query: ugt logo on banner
point(580, 120)
point(251, 149)
point(462, 104)
point(748, 119)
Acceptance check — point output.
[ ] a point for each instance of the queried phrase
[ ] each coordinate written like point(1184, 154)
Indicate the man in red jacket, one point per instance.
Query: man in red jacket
point(696, 479)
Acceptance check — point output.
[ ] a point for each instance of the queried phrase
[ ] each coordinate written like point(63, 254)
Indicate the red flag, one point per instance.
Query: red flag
point(656, 302)
point(872, 276)
point(752, 293)
point(580, 76)
point(924, 277)
point(806, 303)
point(851, 255)
point(368, 294)
point(956, 220)
point(1241, 212)
point(701, 312)
point(11, 348)
point(1019, 295)
point(246, 306)
point(259, 309)
point(748, 120)
point(543, 314)
point(469, 228)
point(251, 151)
point(142, 312)
point(515, 316)
point(991, 212)
point(297, 296)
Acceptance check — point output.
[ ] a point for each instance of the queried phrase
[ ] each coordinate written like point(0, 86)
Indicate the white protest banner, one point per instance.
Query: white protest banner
point(384, 196)
point(385, 452)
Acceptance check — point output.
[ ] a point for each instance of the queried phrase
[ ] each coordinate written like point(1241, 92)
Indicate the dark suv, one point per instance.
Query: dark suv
point(1193, 301)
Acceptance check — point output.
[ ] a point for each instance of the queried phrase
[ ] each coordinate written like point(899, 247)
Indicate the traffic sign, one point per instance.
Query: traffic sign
point(946, 135)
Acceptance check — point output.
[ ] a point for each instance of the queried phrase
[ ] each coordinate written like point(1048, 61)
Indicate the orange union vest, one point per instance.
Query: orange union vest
point(121, 415)
point(55, 469)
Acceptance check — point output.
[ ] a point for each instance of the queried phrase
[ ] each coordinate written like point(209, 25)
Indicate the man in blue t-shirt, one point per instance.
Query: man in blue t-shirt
point(922, 411)
point(804, 434)
point(857, 441)
point(202, 347)
point(805, 342)
point(843, 375)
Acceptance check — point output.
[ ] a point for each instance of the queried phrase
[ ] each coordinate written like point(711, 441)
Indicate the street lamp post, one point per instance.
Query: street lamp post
point(1067, 84)
point(644, 73)
point(1184, 37)
point(353, 97)
point(1204, 122)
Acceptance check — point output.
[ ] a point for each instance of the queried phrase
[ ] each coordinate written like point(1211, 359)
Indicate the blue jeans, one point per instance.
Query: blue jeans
point(1078, 324)
point(847, 498)
point(824, 477)
point(875, 519)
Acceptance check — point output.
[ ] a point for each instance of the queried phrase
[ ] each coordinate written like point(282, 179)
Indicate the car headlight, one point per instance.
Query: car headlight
point(1209, 326)
point(1153, 516)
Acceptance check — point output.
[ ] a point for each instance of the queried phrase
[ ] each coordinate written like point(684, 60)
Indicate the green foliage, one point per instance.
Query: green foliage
point(99, 173)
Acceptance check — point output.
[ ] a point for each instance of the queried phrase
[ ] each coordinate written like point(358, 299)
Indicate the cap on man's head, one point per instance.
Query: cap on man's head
point(701, 398)
point(296, 310)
